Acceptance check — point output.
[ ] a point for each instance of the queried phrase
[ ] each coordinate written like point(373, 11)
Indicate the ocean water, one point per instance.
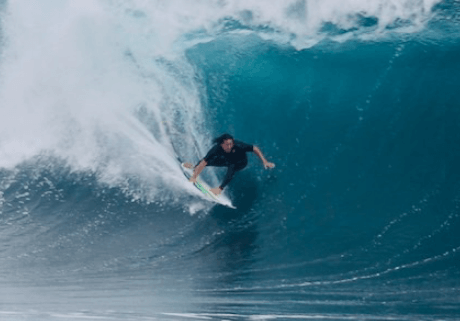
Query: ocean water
point(356, 102)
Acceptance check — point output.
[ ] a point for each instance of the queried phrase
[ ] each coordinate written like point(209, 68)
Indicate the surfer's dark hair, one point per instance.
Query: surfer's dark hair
point(219, 140)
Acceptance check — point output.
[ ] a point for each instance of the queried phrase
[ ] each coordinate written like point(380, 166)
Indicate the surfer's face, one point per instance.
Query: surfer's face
point(227, 145)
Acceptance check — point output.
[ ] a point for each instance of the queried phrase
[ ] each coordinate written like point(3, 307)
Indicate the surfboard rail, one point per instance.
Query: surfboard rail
point(205, 189)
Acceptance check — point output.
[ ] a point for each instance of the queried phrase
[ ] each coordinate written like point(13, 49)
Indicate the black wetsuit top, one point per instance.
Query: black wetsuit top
point(235, 160)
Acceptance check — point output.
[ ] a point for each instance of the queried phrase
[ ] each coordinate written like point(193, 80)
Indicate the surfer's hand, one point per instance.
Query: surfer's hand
point(269, 165)
point(216, 190)
point(188, 165)
point(192, 179)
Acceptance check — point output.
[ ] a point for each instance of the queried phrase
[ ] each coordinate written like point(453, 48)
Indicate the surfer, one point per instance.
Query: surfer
point(227, 152)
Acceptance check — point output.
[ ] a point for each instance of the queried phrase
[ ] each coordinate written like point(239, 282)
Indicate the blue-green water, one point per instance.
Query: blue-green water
point(357, 106)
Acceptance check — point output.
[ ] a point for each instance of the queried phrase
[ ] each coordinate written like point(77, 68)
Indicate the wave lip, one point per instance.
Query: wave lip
point(358, 220)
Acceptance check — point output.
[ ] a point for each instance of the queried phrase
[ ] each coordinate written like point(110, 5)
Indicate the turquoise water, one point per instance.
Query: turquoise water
point(356, 104)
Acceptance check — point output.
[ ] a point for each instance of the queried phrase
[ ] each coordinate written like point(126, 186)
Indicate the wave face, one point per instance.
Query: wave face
point(356, 102)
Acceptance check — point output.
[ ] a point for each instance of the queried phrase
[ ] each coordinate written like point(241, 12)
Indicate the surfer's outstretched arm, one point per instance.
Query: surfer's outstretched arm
point(267, 164)
point(198, 170)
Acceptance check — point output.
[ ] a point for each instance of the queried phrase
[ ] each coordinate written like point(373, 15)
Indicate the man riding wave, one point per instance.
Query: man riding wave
point(227, 152)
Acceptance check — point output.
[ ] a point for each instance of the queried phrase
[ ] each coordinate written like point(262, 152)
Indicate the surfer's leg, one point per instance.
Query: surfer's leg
point(228, 177)
point(232, 169)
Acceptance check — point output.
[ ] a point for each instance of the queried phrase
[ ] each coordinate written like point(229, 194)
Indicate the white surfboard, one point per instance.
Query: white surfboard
point(206, 190)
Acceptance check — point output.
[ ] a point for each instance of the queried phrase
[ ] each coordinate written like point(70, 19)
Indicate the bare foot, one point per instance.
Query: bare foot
point(216, 190)
point(188, 165)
